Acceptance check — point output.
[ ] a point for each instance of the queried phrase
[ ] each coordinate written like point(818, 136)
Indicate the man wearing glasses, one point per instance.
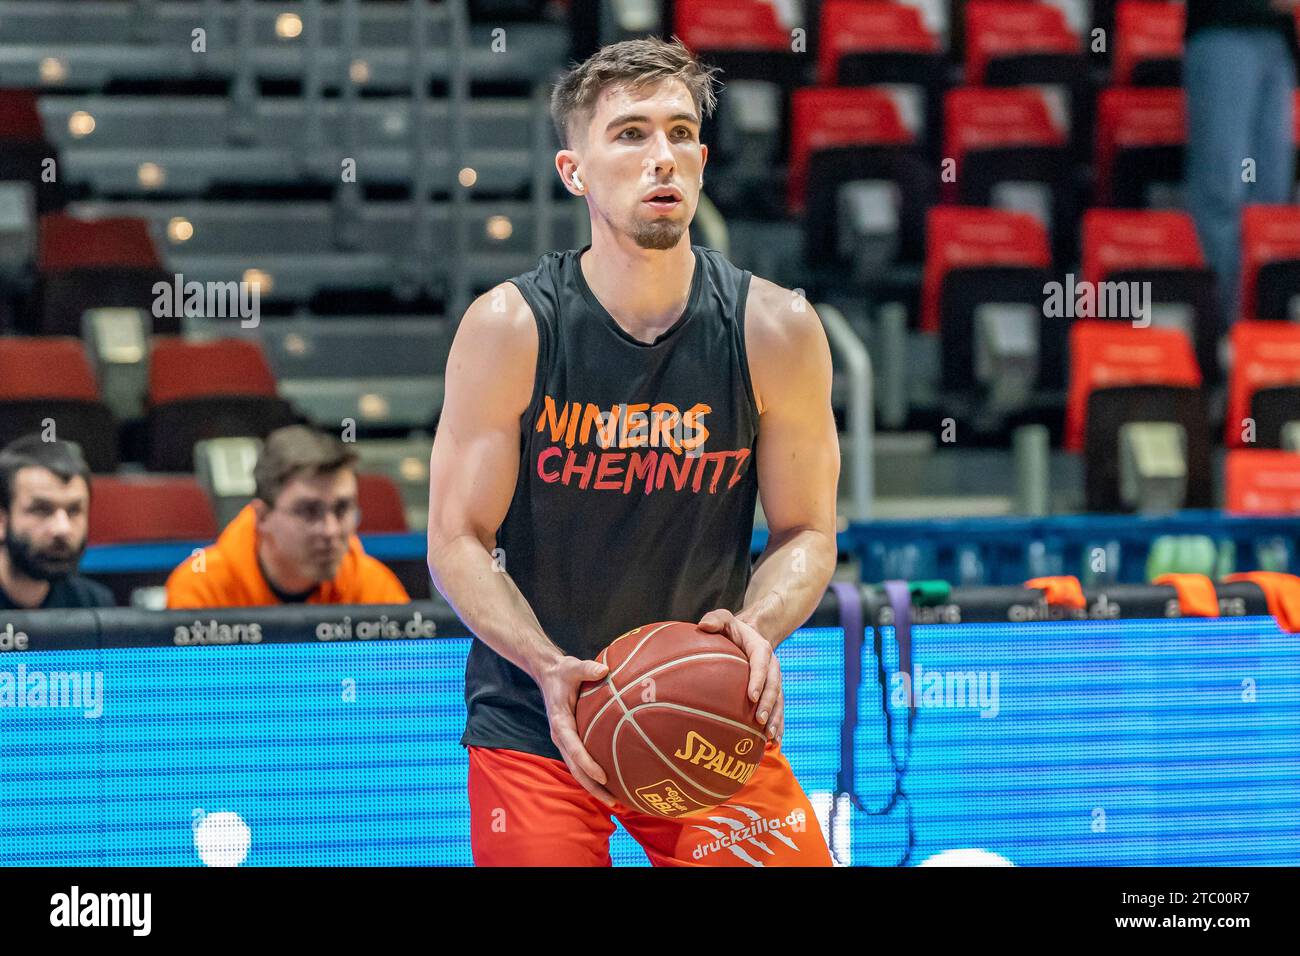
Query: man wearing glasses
point(295, 542)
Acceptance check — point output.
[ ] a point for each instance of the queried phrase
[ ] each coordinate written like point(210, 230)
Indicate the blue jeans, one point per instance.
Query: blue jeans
point(1240, 85)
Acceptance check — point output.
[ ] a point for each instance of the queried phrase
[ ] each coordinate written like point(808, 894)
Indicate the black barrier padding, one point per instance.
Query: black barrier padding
point(130, 627)
point(84, 629)
point(1000, 605)
point(56, 630)
point(65, 630)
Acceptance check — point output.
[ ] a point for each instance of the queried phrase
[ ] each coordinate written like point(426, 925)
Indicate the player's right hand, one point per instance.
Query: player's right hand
point(559, 683)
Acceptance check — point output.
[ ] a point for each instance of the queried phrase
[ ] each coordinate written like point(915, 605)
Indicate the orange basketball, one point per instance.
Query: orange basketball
point(671, 724)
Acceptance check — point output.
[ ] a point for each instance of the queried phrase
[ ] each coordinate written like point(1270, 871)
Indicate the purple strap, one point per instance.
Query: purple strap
point(899, 594)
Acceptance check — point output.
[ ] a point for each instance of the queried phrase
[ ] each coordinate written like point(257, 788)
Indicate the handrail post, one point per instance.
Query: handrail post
point(860, 414)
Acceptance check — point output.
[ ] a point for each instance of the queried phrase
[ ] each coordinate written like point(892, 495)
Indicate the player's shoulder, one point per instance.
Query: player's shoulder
point(777, 318)
point(498, 331)
point(500, 311)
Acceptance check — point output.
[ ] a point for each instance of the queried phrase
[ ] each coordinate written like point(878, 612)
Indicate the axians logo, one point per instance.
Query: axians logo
point(214, 632)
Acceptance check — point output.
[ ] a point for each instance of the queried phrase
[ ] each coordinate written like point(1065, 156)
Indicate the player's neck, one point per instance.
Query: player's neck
point(645, 290)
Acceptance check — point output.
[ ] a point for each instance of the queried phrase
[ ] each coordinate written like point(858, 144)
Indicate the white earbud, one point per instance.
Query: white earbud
point(577, 181)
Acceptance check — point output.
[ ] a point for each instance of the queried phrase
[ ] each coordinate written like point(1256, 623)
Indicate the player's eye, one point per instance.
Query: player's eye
point(631, 129)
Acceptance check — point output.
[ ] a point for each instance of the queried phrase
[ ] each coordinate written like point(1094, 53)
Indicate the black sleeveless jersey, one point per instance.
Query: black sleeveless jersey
point(637, 481)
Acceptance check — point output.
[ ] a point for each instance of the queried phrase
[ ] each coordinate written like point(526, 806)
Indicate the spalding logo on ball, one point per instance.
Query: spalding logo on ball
point(671, 723)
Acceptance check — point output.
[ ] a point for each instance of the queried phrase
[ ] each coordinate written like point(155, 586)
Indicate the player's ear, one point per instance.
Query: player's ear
point(566, 164)
point(261, 511)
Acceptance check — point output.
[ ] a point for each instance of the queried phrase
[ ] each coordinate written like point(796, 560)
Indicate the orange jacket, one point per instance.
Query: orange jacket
point(231, 576)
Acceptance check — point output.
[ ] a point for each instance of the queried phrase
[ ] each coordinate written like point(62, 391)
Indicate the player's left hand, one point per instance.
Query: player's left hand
point(764, 669)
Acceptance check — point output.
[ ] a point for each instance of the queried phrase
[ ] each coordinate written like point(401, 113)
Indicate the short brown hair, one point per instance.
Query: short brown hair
point(63, 458)
point(631, 63)
point(297, 450)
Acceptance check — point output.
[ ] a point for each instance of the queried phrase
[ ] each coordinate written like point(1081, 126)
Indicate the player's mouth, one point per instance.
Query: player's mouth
point(663, 198)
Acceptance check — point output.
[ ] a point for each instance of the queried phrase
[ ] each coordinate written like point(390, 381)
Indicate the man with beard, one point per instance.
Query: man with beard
point(44, 514)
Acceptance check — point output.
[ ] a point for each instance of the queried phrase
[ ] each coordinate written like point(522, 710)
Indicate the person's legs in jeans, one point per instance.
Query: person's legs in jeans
point(1275, 125)
point(1222, 71)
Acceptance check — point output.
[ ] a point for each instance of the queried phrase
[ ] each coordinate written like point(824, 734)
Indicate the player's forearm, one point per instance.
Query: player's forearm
point(788, 582)
point(489, 603)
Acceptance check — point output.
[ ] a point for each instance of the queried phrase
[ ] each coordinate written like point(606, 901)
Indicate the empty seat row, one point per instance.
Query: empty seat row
point(195, 391)
point(136, 508)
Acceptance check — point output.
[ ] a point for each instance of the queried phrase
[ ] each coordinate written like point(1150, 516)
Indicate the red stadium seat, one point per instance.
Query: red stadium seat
point(1018, 43)
point(180, 370)
point(756, 53)
point(1160, 247)
point(46, 367)
point(838, 116)
point(730, 25)
point(1265, 382)
point(975, 257)
point(1000, 136)
point(1262, 482)
point(1017, 33)
point(1149, 43)
point(844, 135)
point(1111, 355)
point(870, 43)
point(380, 499)
point(962, 237)
point(85, 264)
point(201, 390)
point(1270, 261)
point(50, 379)
point(130, 508)
point(69, 243)
point(1006, 120)
point(855, 27)
point(1118, 239)
point(1121, 374)
point(25, 151)
point(1141, 134)
point(20, 120)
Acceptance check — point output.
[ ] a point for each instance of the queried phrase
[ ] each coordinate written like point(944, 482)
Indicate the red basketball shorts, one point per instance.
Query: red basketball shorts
point(527, 810)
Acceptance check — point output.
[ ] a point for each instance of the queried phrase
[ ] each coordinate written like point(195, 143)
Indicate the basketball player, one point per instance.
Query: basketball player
point(609, 419)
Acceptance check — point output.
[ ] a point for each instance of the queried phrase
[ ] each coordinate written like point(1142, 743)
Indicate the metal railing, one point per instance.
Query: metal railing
point(851, 355)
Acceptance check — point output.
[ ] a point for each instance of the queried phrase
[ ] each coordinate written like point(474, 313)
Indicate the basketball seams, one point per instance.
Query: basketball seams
point(609, 678)
point(617, 693)
point(692, 710)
